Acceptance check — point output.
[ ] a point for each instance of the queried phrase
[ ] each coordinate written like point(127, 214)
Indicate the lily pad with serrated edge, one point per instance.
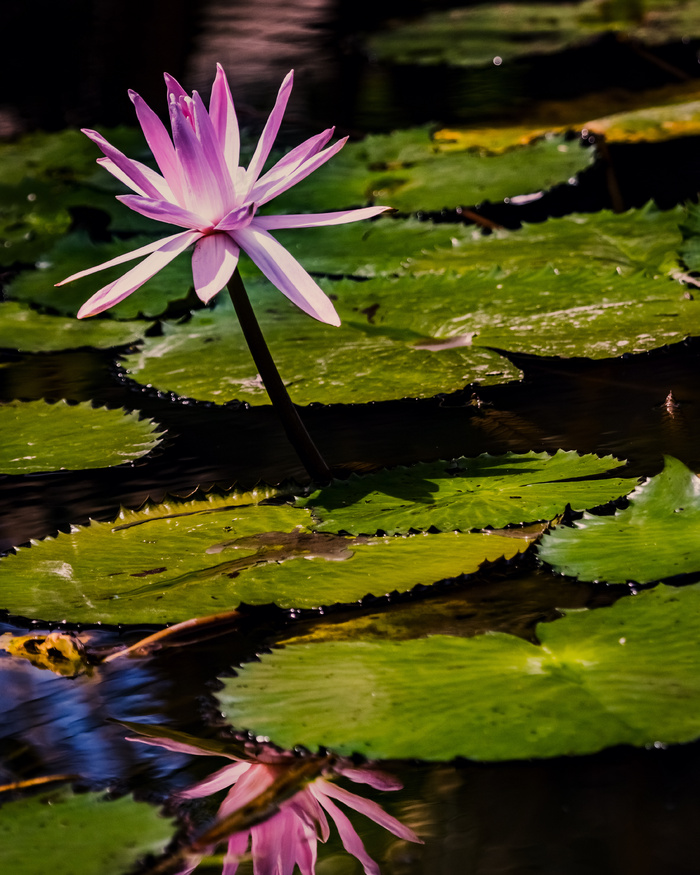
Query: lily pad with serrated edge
point(24, 329)
point(83, 833)
point(656, 537)
point(39, 436)
point(466, 493)
point(418, 176)
point(572, 313)
point(180, 560)
point(75, 252)
point(645, 240)
point(625, 674)
point(207, 358)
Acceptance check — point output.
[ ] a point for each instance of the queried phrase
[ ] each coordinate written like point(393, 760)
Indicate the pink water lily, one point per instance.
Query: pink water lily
point(202, 188)
point(289, 838)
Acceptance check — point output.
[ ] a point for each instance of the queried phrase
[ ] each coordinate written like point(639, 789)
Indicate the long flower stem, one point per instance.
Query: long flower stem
point(295, 429)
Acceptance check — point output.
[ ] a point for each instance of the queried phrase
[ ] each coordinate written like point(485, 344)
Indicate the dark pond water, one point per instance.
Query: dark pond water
point(622, 811)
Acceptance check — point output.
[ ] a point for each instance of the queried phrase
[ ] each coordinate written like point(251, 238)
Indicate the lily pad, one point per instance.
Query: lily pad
point(576, 313)
point(39, 436)
point(179, 560)
point(207, 358)
point(24, 329)
point(474, 36)
point(645, 240)
point(466, 493)
point(655, 537)
point(652, 124)
point(412, 172)
point(79, 833)
point(625, 674)
point(76, 252)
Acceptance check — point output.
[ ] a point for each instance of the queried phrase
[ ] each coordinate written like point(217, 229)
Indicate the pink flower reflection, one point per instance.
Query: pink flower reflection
point(289, 838)
point(202, 188)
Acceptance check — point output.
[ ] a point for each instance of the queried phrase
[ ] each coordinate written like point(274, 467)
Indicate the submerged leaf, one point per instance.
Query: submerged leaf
point(654, 538)
point(49, 437)
point(626, 674)
point(466, 493)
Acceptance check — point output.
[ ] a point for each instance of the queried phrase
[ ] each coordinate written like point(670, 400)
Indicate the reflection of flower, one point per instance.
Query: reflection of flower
point(290, 836)
point(204, 190)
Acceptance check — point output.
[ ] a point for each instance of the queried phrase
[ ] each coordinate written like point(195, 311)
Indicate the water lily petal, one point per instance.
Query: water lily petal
point(367, 807)
point(224, 777)
point(160, 184)
point(173, 87)
point(237, 846)
point(350, 839)
point(177, 746)
point(133, 279)
point(201, 193)
point(137, 179)
point(211, 148)
point(159, 143)
point(164, 211)
point(265, 193)
point(122, 259)
point(293, 159)
point(213, 262)
point(316, 220)
point(269, 134)
point(223, 116)
point(239, 217)
point(373, 777)
point(285, 272)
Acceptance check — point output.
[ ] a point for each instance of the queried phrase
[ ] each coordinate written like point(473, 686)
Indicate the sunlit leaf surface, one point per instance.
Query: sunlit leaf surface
point(180, 560)
point(23, 328)
point(626, 674)
point(467, 493)
point(654, 538)
point(83, 833)
point(38, 436)
point(410, 171)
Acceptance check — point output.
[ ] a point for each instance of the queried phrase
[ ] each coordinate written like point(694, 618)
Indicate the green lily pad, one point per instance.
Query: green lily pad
point(577, 313)
point(411, 172)
point(625, 674)
point(79, 833)
point(467, 493)
point(645, 240)
point(207, 358)
point(24, 329)
point(76, 252)
point(655, 537)
point(652, 124)
point(39, 436)
point(690, 249)
point(474, 35)
point(179, 560)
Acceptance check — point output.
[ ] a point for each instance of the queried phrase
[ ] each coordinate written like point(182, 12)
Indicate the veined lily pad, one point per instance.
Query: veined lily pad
point(207, 358)
point(24, 329)
point(76, 252)
point(179, 560)
point(576, 313)
point(654, 538)
point(690, 250)
point(645, 240)
point(79, 833)
point(651, 124)
point(38, 436)
point(467, 493)
point(411, 172)
point(625, 674)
